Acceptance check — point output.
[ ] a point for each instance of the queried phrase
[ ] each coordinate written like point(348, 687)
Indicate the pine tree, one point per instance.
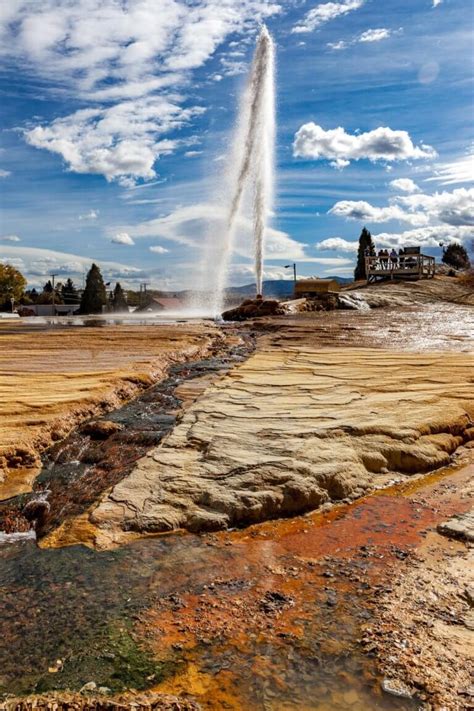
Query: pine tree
point(455, 255)
point(93, 296)
point(366, 249)
point(69, 292)
point(119, 302)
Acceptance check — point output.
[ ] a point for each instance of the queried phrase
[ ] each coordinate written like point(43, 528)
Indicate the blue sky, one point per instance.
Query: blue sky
point(117, 117)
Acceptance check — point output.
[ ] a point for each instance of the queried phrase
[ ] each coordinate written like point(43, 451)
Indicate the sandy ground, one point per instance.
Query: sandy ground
point(51, 380)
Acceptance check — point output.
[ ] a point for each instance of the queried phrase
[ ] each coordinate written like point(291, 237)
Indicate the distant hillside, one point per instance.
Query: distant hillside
point(279, 288)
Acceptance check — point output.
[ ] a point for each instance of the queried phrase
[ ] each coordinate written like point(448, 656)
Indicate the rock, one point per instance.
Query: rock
point(274, 602)
point(103, 690)
point(100, 429)
point(469, 594)
point(289, 430)
point(395, 687)
point(254, 308)
point(88, 688)
point(460, 526)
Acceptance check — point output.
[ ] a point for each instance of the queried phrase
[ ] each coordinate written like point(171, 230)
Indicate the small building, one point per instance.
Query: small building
point(162, 303)
point(307, 288)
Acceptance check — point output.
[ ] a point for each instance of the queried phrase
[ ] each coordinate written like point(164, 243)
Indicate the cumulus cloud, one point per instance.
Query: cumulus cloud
point(454, 208)
point(158, 249)
point(126, 59)
point(122, 238)
point(365, 212)
point(10, 238)
point(324, 13)
point(405, 185)
point(429, 236)
point(381, 144)
point(375, 35)
point(119, 142)
point(437, 2)
point(338, 244)
point(4, 173)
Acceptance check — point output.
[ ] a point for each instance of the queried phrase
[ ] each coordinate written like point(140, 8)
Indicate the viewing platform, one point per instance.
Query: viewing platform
point(404, 266)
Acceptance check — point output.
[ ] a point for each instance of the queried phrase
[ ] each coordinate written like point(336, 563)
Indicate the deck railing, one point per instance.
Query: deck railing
point(420, 266)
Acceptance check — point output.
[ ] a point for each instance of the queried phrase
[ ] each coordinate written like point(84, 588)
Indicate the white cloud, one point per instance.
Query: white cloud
point(424, 236)
point(37, 264)
point(158, 249)
point(365, 212)
point(459, 171)
point(375, 35)
point(338, 244)
point(91, 215)
point(131, 56)
point(381, 144)
point(338, 45)
point(437, 2)
point(369, 36)
point(119, 142)
point(406, 185)
point(122, 238)
point(192, 154)
point(454, 208)
point(4, 173)
point(324, 13)
point(192, 224)
point(10, 238)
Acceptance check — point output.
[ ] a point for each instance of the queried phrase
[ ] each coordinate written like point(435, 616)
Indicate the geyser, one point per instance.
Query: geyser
point(250, 169)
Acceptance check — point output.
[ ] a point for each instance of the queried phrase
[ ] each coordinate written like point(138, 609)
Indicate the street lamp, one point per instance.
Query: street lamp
point(288, 266)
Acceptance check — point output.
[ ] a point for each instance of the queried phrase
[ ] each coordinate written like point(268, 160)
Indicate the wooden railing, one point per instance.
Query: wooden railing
point(420, 266)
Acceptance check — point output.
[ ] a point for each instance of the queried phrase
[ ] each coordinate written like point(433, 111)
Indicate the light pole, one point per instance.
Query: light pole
point(52, 293)
point(288, 266)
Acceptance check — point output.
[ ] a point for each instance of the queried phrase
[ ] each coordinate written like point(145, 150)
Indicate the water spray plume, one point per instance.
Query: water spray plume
point(250, 166)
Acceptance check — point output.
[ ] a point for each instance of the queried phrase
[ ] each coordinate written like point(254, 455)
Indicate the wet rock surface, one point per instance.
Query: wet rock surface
point(102, 451)
point(294, 428)
point(254, 308)
point(54, 378)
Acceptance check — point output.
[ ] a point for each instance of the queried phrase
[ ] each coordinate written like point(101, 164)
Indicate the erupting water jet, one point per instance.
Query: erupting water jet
point(251, 169)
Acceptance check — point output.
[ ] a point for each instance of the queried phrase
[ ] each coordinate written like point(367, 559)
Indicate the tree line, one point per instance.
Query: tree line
point(90, 300)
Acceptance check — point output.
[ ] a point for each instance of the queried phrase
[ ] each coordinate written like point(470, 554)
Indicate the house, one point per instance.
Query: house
point(162, 303)
point(315, 287)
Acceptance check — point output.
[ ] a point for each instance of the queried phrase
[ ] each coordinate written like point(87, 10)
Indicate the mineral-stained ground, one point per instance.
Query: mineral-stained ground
point(352, 597)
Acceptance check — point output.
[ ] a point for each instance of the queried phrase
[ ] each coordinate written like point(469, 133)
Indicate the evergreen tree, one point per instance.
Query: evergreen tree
point(119, 302)
point(366, 249)
point(69, 292)
point(93, 296)
point(48, 287)
point(455, 255)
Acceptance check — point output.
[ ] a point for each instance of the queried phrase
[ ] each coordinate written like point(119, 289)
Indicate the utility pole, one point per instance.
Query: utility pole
point(53, 293)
